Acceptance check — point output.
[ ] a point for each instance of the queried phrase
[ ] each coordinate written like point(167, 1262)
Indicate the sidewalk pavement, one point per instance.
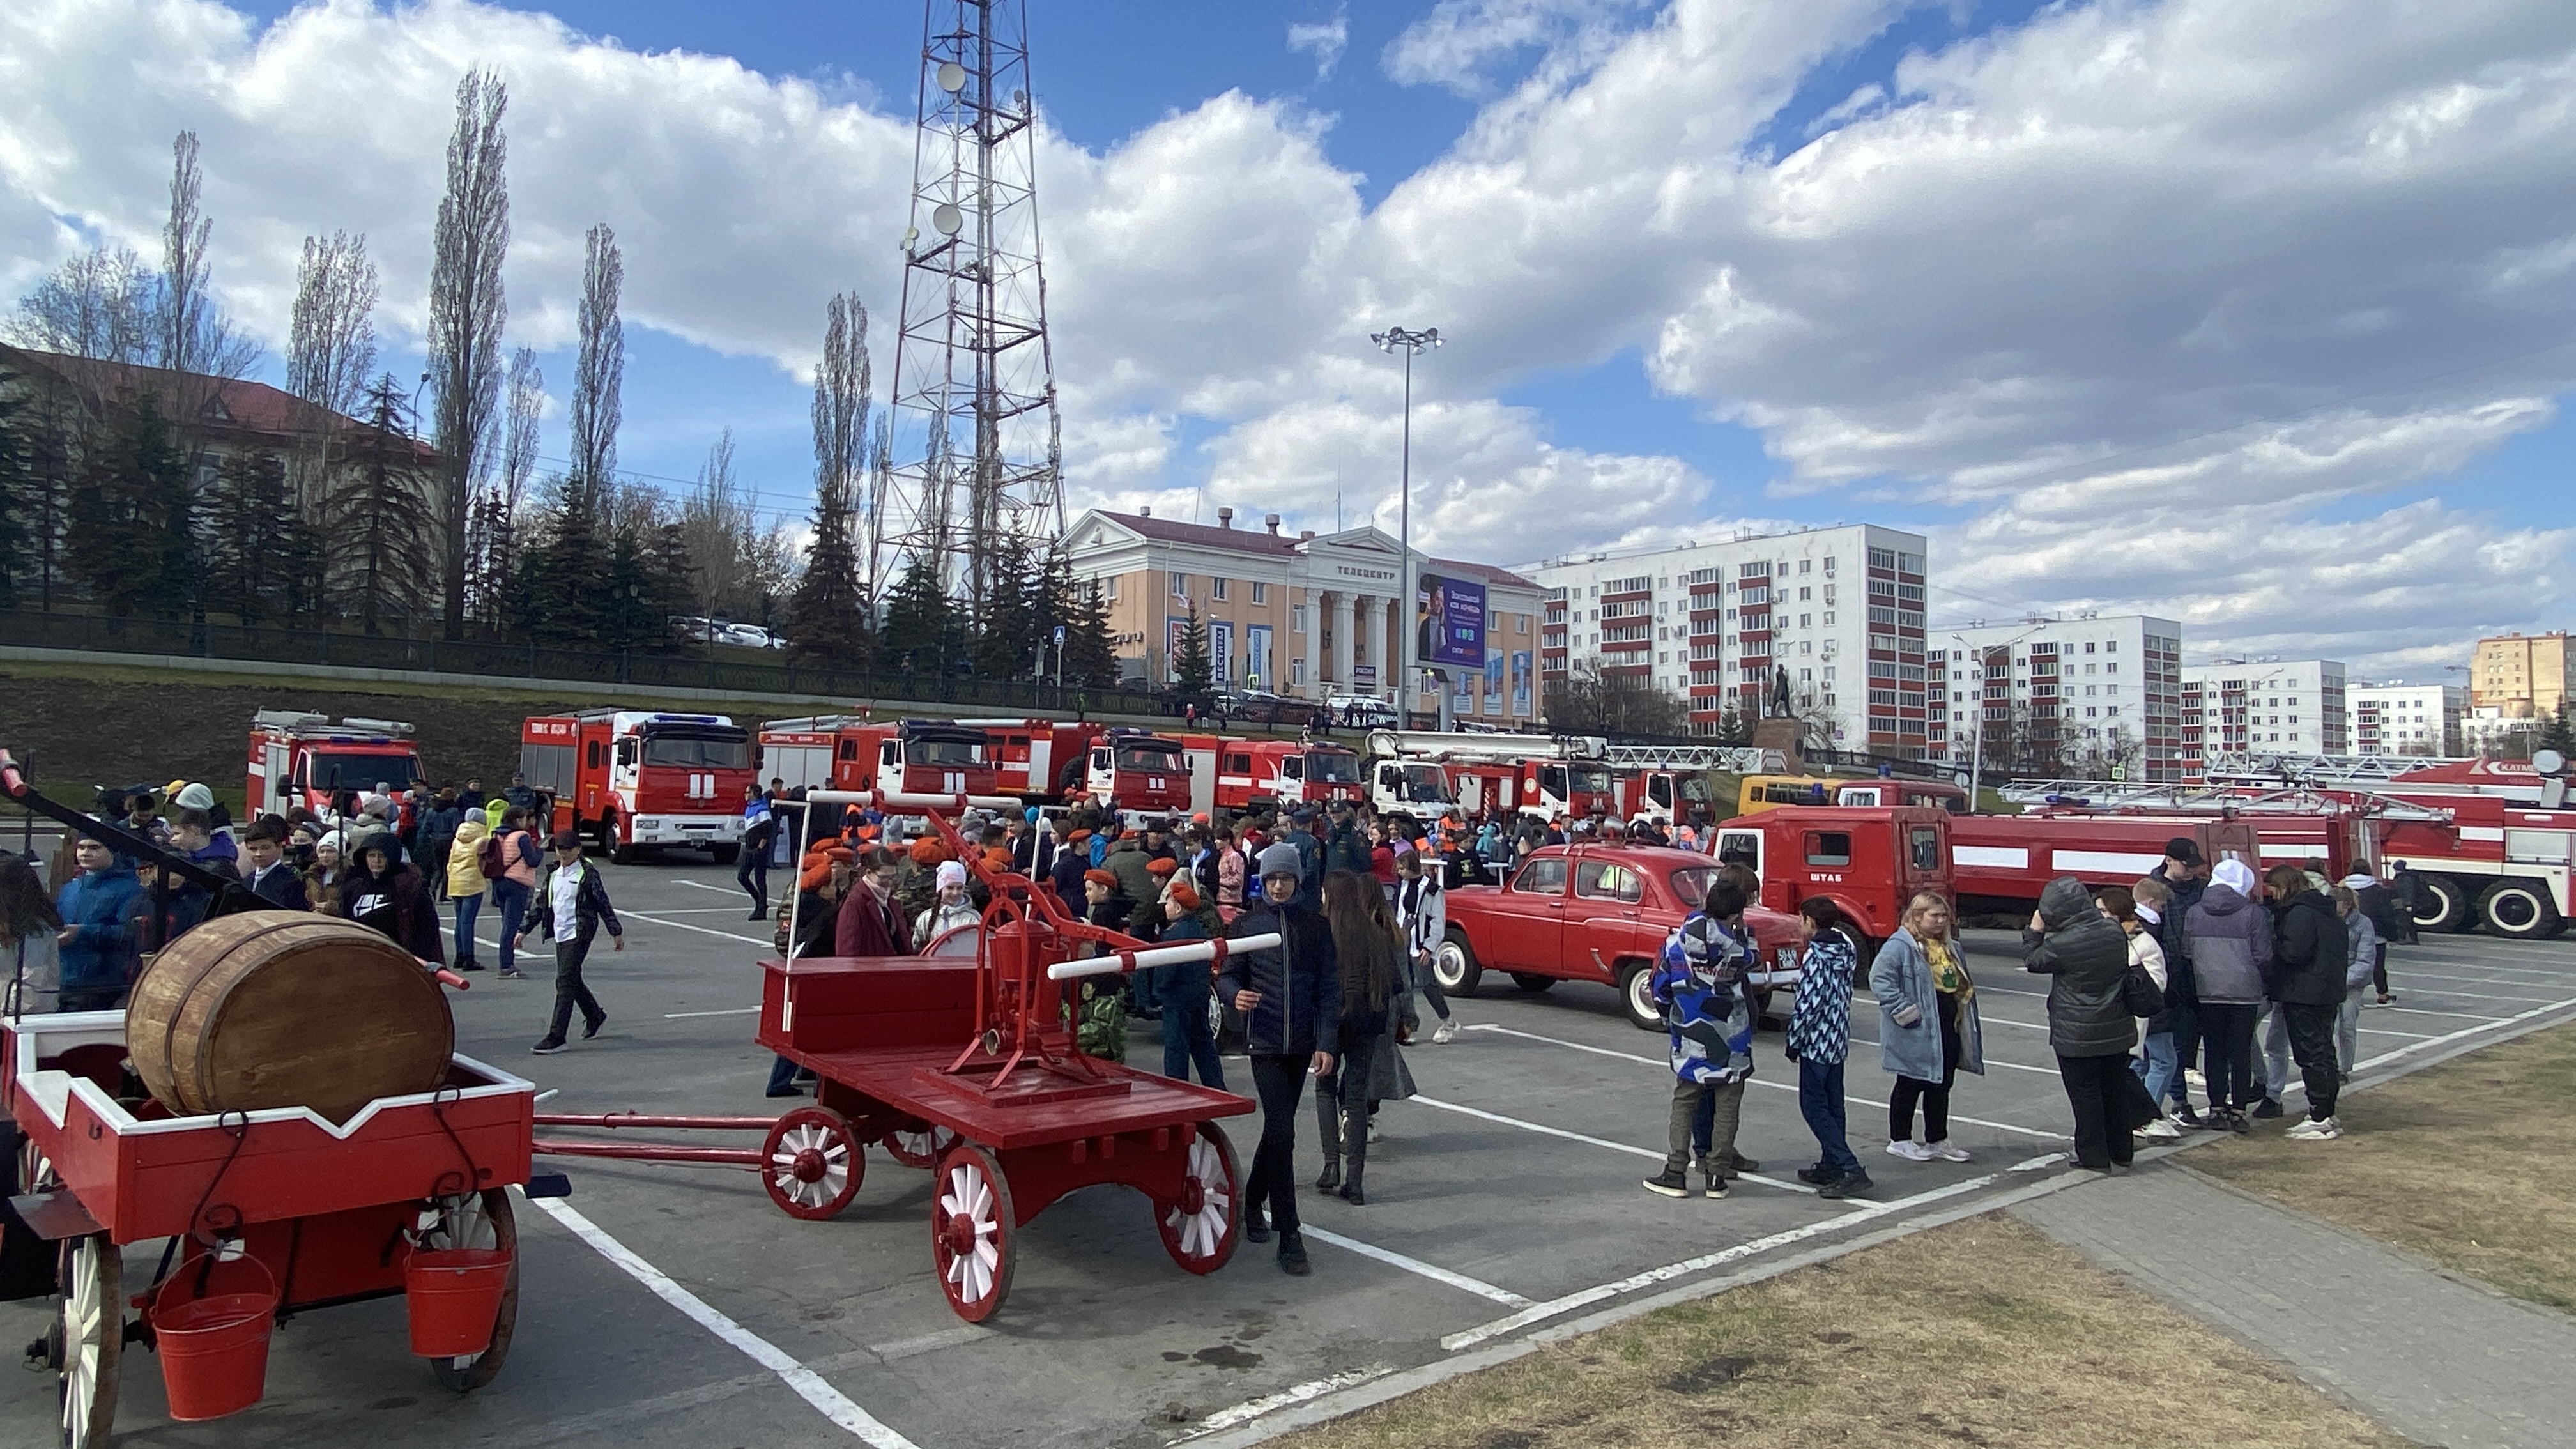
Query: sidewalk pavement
point(2441, 1361)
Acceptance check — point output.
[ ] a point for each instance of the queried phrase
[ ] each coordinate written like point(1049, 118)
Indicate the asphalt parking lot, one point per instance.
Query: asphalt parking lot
point(676, 1306)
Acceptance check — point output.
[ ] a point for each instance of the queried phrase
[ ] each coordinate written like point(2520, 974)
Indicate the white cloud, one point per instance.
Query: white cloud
point(2174, 305)
point(1325, 40)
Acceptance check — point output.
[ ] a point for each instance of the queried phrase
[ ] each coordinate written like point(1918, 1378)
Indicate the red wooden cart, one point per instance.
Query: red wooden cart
point(278, 1202)
point(967, 1065)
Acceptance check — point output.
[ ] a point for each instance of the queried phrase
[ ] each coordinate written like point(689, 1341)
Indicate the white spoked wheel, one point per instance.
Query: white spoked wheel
point(89, 1338)
point(971, 1227)
point(811, 1164)
point(1201, 1226)
point(922, 1148)
point(475, 1220)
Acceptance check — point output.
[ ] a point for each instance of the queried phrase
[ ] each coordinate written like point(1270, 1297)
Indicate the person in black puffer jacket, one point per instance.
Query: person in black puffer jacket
point(2310, 948)
point(1291, 999)
point(2086, 958)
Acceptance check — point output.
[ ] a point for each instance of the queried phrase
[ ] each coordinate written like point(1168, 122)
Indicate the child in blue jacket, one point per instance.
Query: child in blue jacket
point(1709, 1023)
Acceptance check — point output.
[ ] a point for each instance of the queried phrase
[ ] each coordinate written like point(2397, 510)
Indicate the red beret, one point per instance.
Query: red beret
point(1097, 876)
point(1161, 865)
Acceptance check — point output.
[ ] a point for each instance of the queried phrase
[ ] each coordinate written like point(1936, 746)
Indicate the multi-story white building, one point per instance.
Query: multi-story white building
point(2093, 694)
point(2263, 707)
point(2406, 719)
point(1838, 610)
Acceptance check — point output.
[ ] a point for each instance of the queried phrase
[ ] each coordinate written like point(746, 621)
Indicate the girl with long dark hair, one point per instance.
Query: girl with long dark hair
point(1376, 1008)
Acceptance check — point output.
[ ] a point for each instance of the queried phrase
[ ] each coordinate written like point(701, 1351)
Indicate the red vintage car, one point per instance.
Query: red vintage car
point(1595, 913)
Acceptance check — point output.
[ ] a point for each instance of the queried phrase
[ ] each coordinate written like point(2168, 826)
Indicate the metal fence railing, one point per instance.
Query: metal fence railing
point(492, 659)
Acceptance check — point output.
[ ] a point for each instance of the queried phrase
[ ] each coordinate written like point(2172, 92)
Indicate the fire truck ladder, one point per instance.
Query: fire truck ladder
point(2315, 769)
point(2144, 799)
point(1735, 759)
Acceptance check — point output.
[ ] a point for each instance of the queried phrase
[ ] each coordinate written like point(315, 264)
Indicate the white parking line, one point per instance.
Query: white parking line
point(809, 1385)
point(1602, 1142)
point(2421, 1011)
point(1251, 1409)
point(727, 1011)
point(1432, 1271)
point(703, 931)
point(1557, 1307)
point(1659, 1062)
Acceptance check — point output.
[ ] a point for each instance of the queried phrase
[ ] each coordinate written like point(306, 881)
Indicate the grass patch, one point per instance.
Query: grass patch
point(2471, 1164)
point(1982, 1332)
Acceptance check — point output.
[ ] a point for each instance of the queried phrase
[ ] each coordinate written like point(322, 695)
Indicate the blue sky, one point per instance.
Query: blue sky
point(2253, 316)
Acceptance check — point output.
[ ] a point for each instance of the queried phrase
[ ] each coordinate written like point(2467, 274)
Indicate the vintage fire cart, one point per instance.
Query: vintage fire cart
point(967, 1065)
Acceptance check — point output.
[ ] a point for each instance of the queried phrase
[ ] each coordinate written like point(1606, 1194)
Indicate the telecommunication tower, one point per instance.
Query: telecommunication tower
point(977, 442)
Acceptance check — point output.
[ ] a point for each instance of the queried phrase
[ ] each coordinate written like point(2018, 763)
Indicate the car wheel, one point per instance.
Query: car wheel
point(2446, 906)
point(612, 833)
point(1532, 981)
point(1454, 966)
point(2519, 909)
point(1636, 980)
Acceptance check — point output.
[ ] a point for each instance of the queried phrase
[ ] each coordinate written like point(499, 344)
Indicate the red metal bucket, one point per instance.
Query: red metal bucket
point(454, 1298)
point(214, 1350)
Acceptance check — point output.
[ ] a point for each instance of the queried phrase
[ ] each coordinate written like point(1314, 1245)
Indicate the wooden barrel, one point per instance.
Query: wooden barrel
point(286, 1009)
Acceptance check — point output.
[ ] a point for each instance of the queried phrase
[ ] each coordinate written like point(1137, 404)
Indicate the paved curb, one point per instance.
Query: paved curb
point(1342, 1403)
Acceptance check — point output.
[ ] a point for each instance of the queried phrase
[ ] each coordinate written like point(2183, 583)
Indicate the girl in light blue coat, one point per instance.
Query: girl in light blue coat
point(1928, 1031)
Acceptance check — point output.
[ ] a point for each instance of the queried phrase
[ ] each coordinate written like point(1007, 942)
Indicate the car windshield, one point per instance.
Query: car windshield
point(337, 771)
point(1427, 785)
point(940, 752)
point(1152, 759)
point(1592, 779)
point(700, 751)
point(1695, 789)
point(1690, 884)
point(1333, 767)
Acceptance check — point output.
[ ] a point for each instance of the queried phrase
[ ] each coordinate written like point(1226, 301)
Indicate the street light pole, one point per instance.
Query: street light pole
point(1410, 343)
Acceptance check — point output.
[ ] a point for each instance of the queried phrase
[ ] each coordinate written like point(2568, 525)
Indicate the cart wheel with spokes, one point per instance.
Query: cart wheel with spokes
point(921, 1148)
point(88, 1337)
point(1201, 1227)
point(811, 1163)
point(971, 1232)
point(475, 1220)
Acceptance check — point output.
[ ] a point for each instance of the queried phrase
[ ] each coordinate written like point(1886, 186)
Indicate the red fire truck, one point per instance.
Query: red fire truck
point(1138, 773)
point(1042, 761)
point(2000, 863)
point(1254, 774)
point(632, 779)
point(1542, 775)
point(845, 752)
point(298, 757)
point(1868, 860)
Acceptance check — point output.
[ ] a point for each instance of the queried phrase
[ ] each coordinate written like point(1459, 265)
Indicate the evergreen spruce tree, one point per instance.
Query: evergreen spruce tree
point(1192, 669)
point(1090, 659)
point(128, 532)
point(924, 633)
point(562, 596)
point(251, 538)
point(2558, 734)
point(1015, 614)
point(380, 519)
point(20, 507)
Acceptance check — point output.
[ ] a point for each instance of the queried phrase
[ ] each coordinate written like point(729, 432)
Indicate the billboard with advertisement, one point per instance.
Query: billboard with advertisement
point(1449, 622)
point(1493, 681)
point(1520, 681)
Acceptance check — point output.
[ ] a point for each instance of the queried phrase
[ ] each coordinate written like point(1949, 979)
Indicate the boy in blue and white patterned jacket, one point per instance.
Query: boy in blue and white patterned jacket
point(1709, 1022)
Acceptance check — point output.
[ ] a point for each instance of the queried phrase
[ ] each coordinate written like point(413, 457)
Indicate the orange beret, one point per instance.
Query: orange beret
point(929, 850)
point(1185, 893)
point(1077, 835)
point(816, 876)
point(1099, 876)
point(1161, 865)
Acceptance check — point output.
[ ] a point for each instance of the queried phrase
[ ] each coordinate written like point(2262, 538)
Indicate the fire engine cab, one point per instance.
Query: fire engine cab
point(1040, 760)
point(1138, 773)
point(298, 757)
point(634, 779)
point(1869, 861)
point(1253, 774)
point(1542, 775)
point(845, 752)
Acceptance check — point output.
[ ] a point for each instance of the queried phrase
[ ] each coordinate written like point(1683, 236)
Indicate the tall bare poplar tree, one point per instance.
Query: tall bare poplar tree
point(600, 373)
point(466, 312)
point(331, 349)
point(103, 304)
point(829, 613)
point(183, 259)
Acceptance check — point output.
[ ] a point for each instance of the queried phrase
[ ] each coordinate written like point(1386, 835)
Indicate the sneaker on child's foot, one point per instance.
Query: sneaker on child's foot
point(513, 973)
point(2314, 1130)
point(2162, 1129)
point(1910, 1150)
point(1819, 1175)
point(1669, 1183)
point(1447, 1033)
point(2267, 1109)
point(2183, 1116)
point(1944, 1151)
point(1850, 1184)
point(547, 1048)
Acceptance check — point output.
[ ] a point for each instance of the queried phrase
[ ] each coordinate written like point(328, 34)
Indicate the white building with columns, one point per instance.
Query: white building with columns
point(1307, 615)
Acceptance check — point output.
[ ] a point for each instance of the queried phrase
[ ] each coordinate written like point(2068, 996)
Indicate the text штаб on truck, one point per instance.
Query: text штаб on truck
point(298, 757)
point(637, 779)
